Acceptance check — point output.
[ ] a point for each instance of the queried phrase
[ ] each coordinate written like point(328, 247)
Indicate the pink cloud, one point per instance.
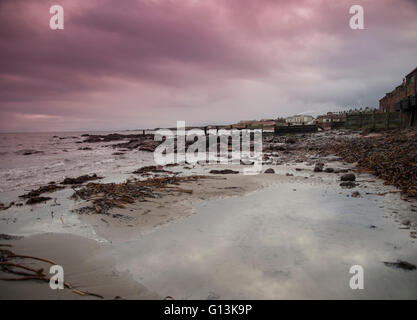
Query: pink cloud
point(138, 63)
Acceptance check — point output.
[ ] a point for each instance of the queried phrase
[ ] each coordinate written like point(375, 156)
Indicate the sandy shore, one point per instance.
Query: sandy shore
point(91, 265)
point(88, 266)
point(141, 217)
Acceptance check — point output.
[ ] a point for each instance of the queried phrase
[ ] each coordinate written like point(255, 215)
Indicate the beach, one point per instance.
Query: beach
point(183, 232)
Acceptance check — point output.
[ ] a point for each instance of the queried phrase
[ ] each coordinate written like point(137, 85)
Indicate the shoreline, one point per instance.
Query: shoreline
point(138, 219)
point(81, 256)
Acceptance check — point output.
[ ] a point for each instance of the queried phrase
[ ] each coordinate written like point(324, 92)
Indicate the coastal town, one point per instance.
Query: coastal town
point(400, 104)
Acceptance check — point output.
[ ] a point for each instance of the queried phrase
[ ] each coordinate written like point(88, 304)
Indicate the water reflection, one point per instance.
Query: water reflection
point(289, 241)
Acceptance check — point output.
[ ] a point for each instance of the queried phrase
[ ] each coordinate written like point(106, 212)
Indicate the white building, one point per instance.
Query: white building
point(300, 119)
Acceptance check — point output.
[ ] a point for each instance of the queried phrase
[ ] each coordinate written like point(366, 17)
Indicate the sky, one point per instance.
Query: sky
point(147, 63)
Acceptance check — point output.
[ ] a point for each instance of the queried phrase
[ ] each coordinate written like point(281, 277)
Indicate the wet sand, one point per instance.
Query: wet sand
point(140, 218)
point(288, 241)
point(88, 266)
point(162, 230)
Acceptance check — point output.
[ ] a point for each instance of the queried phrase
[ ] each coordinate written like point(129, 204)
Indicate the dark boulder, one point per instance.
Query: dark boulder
point(80, 179)
point(318, 167)
point(225, 171)
point(348, 177)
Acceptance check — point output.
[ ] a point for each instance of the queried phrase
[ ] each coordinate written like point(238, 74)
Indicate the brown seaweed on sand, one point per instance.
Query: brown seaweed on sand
point(4, 236)
point(391, 156)
point(404, 265)
point(35, 200)
point(51, 187)
point(4, 207)
point(103, 197)
point(12, 263)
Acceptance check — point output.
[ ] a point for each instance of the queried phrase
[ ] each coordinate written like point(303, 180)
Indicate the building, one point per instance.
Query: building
point(299, 120)
point(403, 98)
point(326, 120)
point(281, 122)
point(256, 123)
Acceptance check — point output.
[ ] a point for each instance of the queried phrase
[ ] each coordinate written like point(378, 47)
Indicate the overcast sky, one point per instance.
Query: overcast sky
point(148, 63)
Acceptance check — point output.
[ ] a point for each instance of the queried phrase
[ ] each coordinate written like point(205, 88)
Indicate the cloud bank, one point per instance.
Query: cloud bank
point(145, 63)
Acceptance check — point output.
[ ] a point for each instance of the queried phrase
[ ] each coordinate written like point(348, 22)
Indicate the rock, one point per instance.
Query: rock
point(329, 170)
point(269, 170)
point(298, 169)
point(401, 265)
point(339, 170)
point(318, 167)
point(80, 179)
point(27, 152)
point(355, 194)
point(348, 177)
point(405, 222)
point(148, 145)
point(225, 171)
point(93, 139)
point(247, 162)
point(289, 174)
point(136, 141)
point(148, 169)
point(291, 140)
point(348, 184)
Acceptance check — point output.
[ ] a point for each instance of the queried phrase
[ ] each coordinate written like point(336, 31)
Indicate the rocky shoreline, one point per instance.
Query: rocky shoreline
point(156, 195)
point(391, 156)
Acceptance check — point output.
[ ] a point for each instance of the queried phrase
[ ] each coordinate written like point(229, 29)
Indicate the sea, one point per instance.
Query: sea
point(29, 160)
